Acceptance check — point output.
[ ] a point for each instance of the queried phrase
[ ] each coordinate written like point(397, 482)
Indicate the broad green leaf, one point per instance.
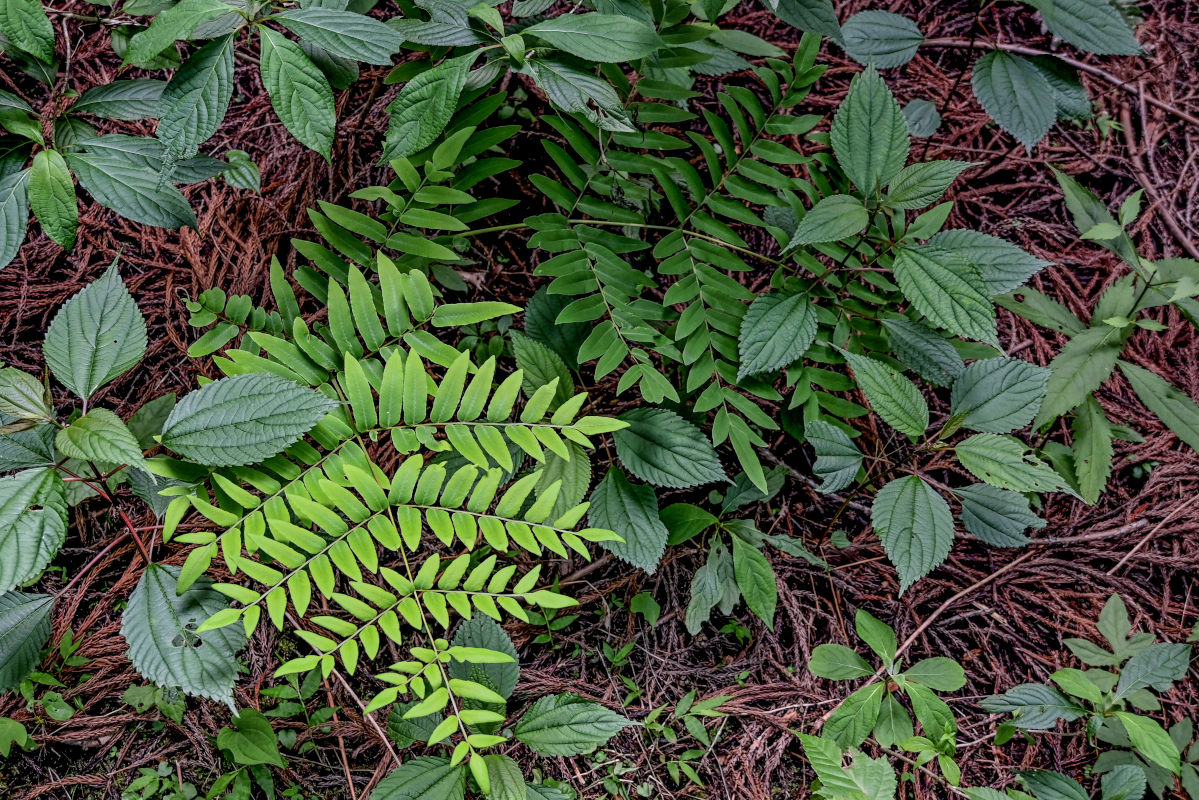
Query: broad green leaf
point(251, 740)
point(998, 517)
point(894, 726)
point(1033, 706)
point(998, 395)
point(838, 663)
point(855, 718)
point(662, 448)
point(52, 197)
point(867, 779)
point(777, 329)
point(159, 624)
point(407, 731)
point(878, 635)
point(1171, 405)
point(881, 39)
point(23, 396)
point(8, 100)
point(924, 351)
point(632, 512)
point(1005, 462)
point(299, 92)
point(869, 134)
point(1016, 95)
point(948, 290)
point(1092, 449)
point(938, 673)
point(708, 587)
point(33, 447)
point(1128, 782)
point(1078, 369)
point(1052, 785)
point(195, 101)
point(1069, 95)
point(483, 632)
point(1003, 265)
point(242, 172)
point(1158, 666)
point(815, 16)
point(834, 218)
point(892, 396)
point(343, 33)
point(25, 24)
point(932, 712)
point(566, 725)
point(135, 192)
point(1150, 740)
point(922, 117)
point(128, 100)
point(33, 525)
point(178, 21)
point(579, 92)
point(100, 435)
point(24, 631)
point(685, 521)
point(756, 580)
point(540, 366)
point(919, 185)
point(1096, 26)
point(423, 778)
point(837, 457)
point(421, 110)
point(14, 214)
point(915, 526)
point(598, 37)
point(98, 335)
point(243, 419)
point(506, 780)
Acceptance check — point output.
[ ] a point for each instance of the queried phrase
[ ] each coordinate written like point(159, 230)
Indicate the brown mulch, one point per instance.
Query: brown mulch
point(1002, 613)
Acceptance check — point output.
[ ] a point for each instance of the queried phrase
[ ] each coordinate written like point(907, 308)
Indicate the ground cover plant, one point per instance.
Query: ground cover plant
point(610, 400)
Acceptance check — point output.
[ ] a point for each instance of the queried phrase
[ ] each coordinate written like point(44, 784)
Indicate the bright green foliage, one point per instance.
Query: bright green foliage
point(865, 779)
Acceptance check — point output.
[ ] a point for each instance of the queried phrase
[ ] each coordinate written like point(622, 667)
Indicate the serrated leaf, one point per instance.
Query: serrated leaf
point(1125, 782)
point(299, 91)
point(128, 100)
point(1092, 449)
point(423, 778)
point(14, 214)
point(98, 335)
point(919, 185)
point(996, 516)
point(1033, 706)
point(869, 134)
point(160, 625)
point(25, 24)
point(574, 474)
point(1171, 405)
point(579, 92)
point(881, 38)
point(924, 351)
point(948, 290)
point(631, 511)
point(1096, 26)
point(598, 37)
point(662, 448)
point(346, 34)
point(421, 110)
point(915, 526)
point(52, 197)
point(816, 16)
point(100, 435)
point(892, 396)
point(242, 419)
point(131, 189)
point(24, 631)
point(33, 524)
point(1005, 462)
point(178, 21)
point(1016, 95)
point(998, 395)
point(833, 218)
point(196, 99)
point(407, 731)
point(1003, 265)
point(756, 580)
point(566, 725)
point(23, 397)
point(777, 329)
point(1078, 369)
point(481, 631)
point(540, 366)
point(1052, 785)
point(1069, 95)
point(922, 117)
point(837, 457)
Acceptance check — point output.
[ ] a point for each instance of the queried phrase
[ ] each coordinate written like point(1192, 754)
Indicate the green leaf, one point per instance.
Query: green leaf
point(922, 117)
point(878, 635)
point(919, 185)
point(1096, 26)
point(483, 632)
point(1092, 449)
point(947, 290)
point(937, 673)
point(24, 631)
point(838, 663)
point(299, 91)
point(578, 92)
point(708, 587)
point(251, 740)
point(1033, 706)
point(815, 16)
point(998, 395)
point(1005, 462)
point(632, 512)
point(128, 100)
point(25, 24)
point(243, 419)
point(1158, 666)
point(1125, 782)
point(924, 351)
point(836, 217)
point(423, 778)
point(196, 99)
point(998, 517)
point(98, 335)
point(869, 134)
point(1052, 785)
point(421, 110)
point(343, 33)
point(881, 39)
point(134, 191)
point(1069, 95)
point(52, 197)
point(855, 718)
point(1171, 405)
point(598, 37)
point(1003, 265)
point(242, 172)
point(1150, 740)
point(14, 214)
point(915, 526)
point(176, 22)
point(868, 778)
point(756, 580)
point(33, 524)
point(1016, 95)
point(777, 329)
point(837, 457)
point(23, 396)
point(456, 315)
point(159, 624)
point(506, 779)
point(892, 396)
point(662, 448)
point(1088, 210)
point(540, 366)
point(894, 726)
point(1078, 369)
point(100, 435)
point(566, 725)
point(407, 731)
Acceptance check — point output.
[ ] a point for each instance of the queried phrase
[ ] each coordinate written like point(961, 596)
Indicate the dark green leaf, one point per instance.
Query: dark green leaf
point(52, 197)
point(915, 526)
point(664, 449)
point(777, 329)
point(632, 512)
point(1016, 95)
point(299, 92)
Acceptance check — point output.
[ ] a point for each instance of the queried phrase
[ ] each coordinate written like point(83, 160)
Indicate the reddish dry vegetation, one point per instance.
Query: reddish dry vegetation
point(1002, 613)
